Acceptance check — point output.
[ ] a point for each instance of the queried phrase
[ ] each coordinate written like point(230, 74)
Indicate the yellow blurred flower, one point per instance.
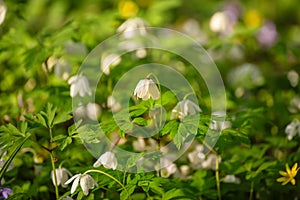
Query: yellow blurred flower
point(253, 18)
point(289, 175)
point(128, 9)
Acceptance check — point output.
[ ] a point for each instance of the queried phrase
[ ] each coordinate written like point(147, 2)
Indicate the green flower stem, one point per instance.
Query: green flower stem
point(54, 172)
point(160, 119)
point(218, 177)
point(53, 163)
point(106, 174)
point(251, 190)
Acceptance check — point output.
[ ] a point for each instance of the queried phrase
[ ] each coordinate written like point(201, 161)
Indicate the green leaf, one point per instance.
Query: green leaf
point(61, 117)
point(140, 121)
point(173, 193)
point(12, 155)
point(171, 126)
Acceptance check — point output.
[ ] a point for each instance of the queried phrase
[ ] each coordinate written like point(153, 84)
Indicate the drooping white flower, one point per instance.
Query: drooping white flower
point(167, 168)
point(85, 180)
point(293, 77)
point(129, 26)
point(108, 61)
point(292, 129)
point(231, 179)
point(79, 85)
point(197, 156)
point(3, 10)
point(294, 106)
point(184, 108)
point(147, 89)
point(62, 175)
point(92, 110)
point(108, 160)
point(210, 161)
point(141, 145)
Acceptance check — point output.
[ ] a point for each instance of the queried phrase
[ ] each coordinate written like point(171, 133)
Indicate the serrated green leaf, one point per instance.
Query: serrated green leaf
point(61, 117)
point(41, 120)
point(140, 121)
point(173, 193)
point(169, 127)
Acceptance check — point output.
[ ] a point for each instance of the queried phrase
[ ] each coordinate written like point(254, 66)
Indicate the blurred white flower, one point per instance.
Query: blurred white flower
point(197, 156)
point(293, 77)
point(292, 129)
point(108, 61)
point(192, 28)
point(167, 168)
point(113, 104)
point(147, 89)
point(86, 182)
point(79, 85)
point(3, 10)
point(141, 145)
point(93, 110)
point(62, 175)
point(108, 160)
point(62, 69)
point(294, 105)
point(219, 125)
point(220, 23)
point(131, 27)
point(231, 179)
point(184, 108)
point(90, 111)
point(246, 76)
point(210, 161)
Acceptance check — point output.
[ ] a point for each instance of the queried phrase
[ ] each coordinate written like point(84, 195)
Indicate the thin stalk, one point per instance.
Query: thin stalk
point(106, 174)
point(53, 164)
point(251, 190)
point(55, 178)
point(218, 177)
point(160, 120)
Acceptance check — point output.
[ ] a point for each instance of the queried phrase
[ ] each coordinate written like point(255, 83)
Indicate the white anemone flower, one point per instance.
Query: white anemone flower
point(147, 89)
point(185, 108)
point(231, 179)
point(292, 129)
point(62, 175)
point(129, 26)
point(108, 61)
point(168, 168)
point(108, 160)
point(86, 182)
point(79, 85)
point(3, 10)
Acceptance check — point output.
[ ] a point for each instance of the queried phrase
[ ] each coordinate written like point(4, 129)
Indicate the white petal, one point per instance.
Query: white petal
point(72, 80)
point(73, 90)
point(97, 163)
point(72, 178)
point(84, 184)
point(75, 184)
